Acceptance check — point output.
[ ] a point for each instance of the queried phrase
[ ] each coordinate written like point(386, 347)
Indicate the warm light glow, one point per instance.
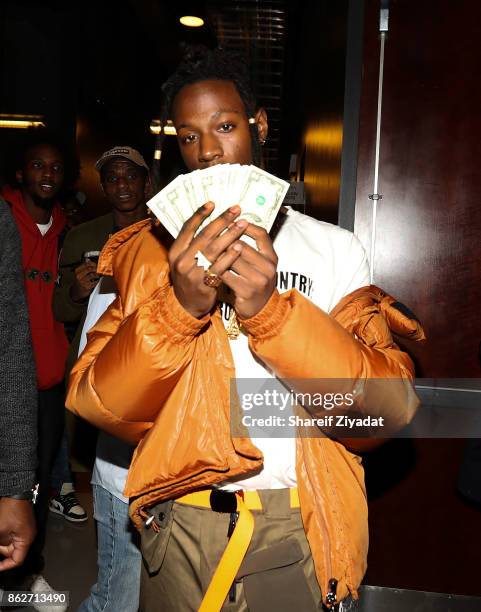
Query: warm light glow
point(169, 129)
point(323, 141)
point(156, 128)
point(325, 136)
point(191, 22)
point(21, 121)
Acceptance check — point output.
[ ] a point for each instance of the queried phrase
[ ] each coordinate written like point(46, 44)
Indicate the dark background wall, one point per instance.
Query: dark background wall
point(427, 248)
point(314, 101)
point(94, 70)
point(423, 534)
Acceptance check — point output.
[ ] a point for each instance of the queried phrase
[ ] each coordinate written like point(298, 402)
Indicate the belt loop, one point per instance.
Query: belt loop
point(276, 503)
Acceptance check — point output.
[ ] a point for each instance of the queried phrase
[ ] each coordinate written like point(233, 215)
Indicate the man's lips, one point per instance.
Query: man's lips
point(123, 197)
point(46, 187)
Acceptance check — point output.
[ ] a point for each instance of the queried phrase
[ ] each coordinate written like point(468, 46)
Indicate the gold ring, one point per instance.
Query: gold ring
point(211, 279)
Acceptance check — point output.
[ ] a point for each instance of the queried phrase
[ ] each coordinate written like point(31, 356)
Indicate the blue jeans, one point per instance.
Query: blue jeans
point(118, 557)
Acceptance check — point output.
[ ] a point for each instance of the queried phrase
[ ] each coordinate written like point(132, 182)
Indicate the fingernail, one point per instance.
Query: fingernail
point(206, 206)
point(241, 224)
point(234, 209)
point(237, 247)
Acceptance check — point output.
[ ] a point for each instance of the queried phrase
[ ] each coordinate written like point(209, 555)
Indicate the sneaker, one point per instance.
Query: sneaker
point(42, 587)
point(67, 504)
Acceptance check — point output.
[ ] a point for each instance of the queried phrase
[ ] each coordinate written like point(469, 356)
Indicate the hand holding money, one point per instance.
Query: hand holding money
point(252, 276)
point(218, 242)
point(249, 272)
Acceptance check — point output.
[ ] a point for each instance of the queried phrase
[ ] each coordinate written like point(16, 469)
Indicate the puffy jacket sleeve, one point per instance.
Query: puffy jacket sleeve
point(131, 364)
point(305, 345)
point(138, 349)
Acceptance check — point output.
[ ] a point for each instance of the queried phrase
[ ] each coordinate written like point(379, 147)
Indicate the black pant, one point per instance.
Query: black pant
point(51, 422)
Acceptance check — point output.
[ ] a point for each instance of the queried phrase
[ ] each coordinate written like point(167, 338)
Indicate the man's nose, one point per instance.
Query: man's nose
point(121, 182)
point(47, 171)
point(210, 148)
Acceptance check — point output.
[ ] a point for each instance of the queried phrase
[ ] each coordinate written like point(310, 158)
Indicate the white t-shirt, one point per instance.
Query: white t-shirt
point(44, 227)
point(324, 263)
point(113, 456)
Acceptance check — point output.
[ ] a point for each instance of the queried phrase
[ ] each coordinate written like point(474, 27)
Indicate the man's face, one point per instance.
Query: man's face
point(73, 211)
point(42, 174)
point(125, 184)
point(212, 125)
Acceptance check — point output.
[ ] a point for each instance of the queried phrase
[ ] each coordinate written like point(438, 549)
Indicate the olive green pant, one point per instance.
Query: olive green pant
point(183, 552)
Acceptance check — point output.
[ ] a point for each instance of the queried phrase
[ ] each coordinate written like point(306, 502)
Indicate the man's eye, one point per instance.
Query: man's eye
point(132, 177)
point(57, 168)
point(111, 179)
point(226, 127)
point(189, 139)
point(37, 164)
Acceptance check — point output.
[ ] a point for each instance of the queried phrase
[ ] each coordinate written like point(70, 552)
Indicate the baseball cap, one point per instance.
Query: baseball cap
point(126, 152)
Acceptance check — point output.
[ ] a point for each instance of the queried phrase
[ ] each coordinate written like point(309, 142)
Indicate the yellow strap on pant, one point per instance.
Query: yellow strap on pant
point(236, 547)
point(251, 499)
point(230, 561)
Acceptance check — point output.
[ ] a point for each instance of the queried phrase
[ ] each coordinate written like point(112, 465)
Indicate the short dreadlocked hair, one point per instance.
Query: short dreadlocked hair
point(44, 136)
point(214, 64)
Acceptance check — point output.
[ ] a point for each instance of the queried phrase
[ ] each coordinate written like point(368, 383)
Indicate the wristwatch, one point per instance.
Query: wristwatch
point(30, 495)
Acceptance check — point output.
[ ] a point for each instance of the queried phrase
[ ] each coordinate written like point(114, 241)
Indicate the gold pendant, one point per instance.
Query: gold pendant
point(233, 328)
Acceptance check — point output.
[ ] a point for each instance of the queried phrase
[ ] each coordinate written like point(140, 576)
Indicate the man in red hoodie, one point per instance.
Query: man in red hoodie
point(40, 220)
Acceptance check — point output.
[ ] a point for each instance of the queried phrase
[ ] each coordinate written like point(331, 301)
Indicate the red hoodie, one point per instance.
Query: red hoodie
point(40, 268)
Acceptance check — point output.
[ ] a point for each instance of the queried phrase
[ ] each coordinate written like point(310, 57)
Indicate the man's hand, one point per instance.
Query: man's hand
point(222, 250)
point(86, 278)
point(255, 273)
point(17, 531)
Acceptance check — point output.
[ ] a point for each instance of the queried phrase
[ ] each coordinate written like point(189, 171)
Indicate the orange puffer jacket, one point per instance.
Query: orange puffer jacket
point(154, 375)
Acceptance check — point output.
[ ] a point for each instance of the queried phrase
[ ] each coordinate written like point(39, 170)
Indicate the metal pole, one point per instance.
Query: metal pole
point(375, 196)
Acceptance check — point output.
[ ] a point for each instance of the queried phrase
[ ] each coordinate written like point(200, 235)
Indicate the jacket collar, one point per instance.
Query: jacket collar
point(15, 198)
point(118, 239)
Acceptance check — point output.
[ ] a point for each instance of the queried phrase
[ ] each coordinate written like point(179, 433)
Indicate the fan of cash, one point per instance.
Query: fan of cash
point(258, 193)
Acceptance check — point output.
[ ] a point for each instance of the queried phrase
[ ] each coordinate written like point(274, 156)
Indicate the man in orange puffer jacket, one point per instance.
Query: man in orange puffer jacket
point(158, 367)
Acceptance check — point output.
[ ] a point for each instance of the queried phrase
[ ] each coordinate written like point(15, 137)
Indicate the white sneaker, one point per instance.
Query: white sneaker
point(67, 505)
point(53, 599)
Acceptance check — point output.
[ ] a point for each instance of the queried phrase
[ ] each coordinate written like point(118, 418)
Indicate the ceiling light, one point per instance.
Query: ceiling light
point(156, 127)
point(169, 128)
point(191, 22)
point(22, 122)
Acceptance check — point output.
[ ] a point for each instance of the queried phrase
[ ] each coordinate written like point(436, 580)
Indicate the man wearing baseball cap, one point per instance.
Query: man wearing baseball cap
point(124, 177)
point(124, 153)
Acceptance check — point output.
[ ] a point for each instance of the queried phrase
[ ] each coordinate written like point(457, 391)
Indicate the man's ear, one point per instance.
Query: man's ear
point(19, 176)
point(262, 125)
